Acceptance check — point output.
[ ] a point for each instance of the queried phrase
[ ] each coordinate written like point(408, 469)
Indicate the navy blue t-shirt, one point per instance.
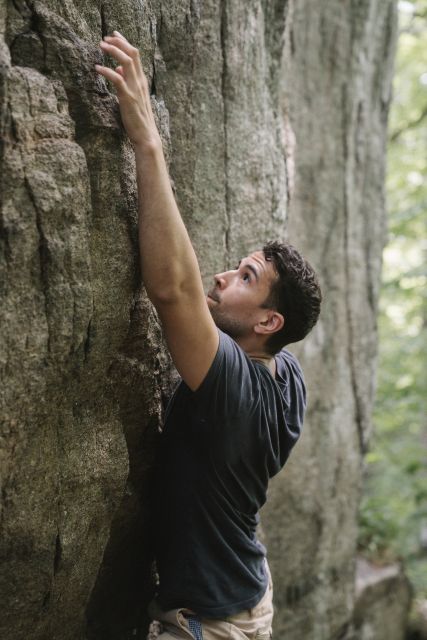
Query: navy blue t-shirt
point(219, 447)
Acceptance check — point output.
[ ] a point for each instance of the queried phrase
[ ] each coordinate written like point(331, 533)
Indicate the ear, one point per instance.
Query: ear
point(273, 323)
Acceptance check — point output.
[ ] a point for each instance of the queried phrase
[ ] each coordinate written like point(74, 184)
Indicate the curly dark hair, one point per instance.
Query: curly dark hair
point(295, 294)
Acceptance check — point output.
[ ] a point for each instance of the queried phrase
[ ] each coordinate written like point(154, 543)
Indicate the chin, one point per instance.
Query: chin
point(232, 327)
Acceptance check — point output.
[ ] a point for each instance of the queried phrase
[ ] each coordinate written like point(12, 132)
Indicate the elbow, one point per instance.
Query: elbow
point(166, 296)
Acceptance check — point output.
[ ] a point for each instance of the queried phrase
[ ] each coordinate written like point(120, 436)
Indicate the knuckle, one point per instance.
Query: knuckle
point(120, 84)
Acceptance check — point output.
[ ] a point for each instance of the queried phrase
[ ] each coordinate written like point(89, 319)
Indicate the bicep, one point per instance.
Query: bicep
point(191, 336)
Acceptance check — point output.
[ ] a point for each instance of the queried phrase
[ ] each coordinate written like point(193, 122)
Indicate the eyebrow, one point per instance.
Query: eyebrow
point(250, 266)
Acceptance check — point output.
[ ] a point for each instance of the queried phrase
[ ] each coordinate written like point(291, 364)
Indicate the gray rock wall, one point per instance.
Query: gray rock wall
point(383, 597)
point(336, 93)
point(83, 368)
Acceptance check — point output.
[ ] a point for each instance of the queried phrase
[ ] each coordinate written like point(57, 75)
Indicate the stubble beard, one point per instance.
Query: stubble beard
point(233, 327)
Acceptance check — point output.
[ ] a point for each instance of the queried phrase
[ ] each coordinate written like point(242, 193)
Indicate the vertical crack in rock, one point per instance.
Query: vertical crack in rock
point(275, 21)
point(37, 29)
point(153, 88)
point(7, 481)
point(104, 27)
point(4, 235)
point(5, 117)
point(227, 235)
point(347, 269)
point(58, 554)
point(46, 600)
point(288, 140)
point(289, 144)
point(88, 339)
point(43, 255)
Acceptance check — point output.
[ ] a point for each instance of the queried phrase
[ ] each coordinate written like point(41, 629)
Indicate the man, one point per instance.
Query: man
point(239, 408)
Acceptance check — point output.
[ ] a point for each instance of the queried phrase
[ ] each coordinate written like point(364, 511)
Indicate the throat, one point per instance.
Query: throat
point(267, 361)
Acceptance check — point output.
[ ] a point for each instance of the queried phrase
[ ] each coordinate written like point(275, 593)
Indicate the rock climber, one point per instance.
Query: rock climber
point(239, 408)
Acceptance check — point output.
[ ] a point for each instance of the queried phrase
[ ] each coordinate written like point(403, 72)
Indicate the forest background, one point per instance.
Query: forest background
point(394, 509)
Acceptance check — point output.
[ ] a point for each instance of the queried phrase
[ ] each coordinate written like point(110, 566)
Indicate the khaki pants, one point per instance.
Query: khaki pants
point(251, 624)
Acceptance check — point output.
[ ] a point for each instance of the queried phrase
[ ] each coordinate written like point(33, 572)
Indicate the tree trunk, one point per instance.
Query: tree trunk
point(84, 372)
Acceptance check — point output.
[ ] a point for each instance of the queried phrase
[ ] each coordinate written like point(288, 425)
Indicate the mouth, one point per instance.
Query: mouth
point(213, 296)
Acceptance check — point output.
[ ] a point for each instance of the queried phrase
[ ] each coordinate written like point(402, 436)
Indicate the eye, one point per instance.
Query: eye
point(246, 277)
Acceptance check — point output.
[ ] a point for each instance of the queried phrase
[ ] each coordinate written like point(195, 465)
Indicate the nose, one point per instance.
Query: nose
point(220, 280)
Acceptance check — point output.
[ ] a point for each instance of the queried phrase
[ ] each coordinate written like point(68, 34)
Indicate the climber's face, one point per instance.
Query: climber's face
point(237, 300)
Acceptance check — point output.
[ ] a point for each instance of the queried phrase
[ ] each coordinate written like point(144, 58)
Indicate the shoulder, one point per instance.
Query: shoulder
point(230, 355)
point(232, 382)
point(288, 366)
point(290, 378)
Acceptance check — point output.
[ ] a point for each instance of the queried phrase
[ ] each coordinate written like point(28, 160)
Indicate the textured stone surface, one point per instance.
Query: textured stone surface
point(383, 597)
point(336, 92)
point(417, 627)
point(78, 338)
point(251, 98)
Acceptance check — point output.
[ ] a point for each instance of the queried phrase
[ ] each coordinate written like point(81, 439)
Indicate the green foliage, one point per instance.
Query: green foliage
point(394, 507)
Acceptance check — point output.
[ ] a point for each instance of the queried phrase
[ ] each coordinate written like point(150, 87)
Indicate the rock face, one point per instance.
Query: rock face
point(383, 596)
point(417, 628)
point(252, 98)
point(337, 91)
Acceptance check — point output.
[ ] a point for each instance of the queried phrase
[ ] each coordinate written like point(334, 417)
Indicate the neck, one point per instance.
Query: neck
point(258, 353)
point(262, 357)
point(268, 361)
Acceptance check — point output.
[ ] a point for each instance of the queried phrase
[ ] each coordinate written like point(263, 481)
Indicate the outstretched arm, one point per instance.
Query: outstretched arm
point(169, 265)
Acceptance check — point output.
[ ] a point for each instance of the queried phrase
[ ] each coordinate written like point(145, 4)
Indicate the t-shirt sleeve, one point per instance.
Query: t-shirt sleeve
point(291, 378)
point(230, 386)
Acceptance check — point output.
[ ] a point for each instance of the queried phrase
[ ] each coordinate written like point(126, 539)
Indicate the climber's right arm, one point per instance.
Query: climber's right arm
point(169, 265)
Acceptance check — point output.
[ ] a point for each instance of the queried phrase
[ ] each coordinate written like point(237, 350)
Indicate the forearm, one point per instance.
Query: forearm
point(169, 265)
point(168, 262)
